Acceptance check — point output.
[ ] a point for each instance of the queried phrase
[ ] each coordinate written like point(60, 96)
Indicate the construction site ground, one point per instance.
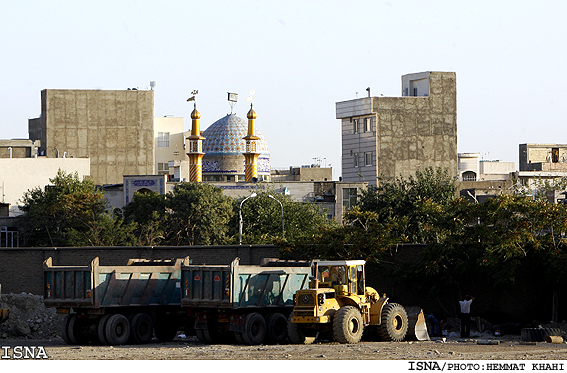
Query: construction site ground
point(508, 348)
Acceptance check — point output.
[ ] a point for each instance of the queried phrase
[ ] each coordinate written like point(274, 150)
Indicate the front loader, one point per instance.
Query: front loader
point(338, 301)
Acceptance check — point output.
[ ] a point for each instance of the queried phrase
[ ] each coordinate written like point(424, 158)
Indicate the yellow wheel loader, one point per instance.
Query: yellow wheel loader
point(339, 302)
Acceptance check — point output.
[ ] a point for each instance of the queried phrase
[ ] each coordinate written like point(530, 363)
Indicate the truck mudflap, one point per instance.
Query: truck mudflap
point(417, 326)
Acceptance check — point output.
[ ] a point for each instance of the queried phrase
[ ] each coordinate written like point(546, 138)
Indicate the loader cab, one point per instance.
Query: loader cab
point(345, 276)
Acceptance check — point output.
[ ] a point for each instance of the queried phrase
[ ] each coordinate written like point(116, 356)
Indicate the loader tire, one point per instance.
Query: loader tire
point(538, 334)
point(117, 330)
point(347, 325)
point(297, 334)
point(394, 325)
point(276, 325)
point(141, 328)
point(254, 329)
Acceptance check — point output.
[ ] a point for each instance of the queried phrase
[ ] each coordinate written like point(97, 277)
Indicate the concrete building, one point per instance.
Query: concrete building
point(19, 148)
point(115, 129)
point(311, 172)
point(396, 136)
point(472, 168)
point(169, 138)
point(14, 181)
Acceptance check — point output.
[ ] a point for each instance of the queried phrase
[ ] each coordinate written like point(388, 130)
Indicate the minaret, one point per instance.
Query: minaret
point(251, 155)
point(195, 148)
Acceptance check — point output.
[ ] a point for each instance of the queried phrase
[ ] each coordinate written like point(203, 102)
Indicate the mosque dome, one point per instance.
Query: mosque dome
point(225, 137)
point(224, 147)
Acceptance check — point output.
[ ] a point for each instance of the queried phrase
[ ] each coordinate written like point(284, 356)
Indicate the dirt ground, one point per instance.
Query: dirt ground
point(509, 348)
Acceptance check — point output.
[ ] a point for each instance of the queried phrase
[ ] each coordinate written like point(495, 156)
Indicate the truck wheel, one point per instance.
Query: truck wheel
point(101, 329)
point(276, 325)
point(141, 328)
point(348, 325)
point(394, 326)
point(238, 338)
point(254, 329)
point(117, 330)
point(299, 335)
point(65, 330)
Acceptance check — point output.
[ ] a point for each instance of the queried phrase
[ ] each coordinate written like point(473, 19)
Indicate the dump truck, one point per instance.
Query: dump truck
point(4, 312)
point(243, 304)
point(339, 302)
point(114, 305)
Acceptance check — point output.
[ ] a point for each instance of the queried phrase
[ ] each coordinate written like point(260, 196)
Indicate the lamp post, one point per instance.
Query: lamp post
point(240, 217)
point(281, 205)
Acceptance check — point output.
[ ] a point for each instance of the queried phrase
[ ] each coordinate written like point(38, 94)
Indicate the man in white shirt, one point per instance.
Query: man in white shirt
point(466, 316)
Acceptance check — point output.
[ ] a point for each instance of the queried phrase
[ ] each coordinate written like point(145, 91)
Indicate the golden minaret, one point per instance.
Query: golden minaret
point(195, 148)
point(251, 155)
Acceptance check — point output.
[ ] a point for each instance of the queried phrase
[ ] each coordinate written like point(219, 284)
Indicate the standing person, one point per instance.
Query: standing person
point(466, 316)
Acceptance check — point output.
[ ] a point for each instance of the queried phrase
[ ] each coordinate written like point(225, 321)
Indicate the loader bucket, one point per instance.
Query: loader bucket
point(417, 327)
point(4, 314)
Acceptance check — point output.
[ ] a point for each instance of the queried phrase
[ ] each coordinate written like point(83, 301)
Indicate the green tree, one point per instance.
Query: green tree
point(198, 214)
point(69, 212)
point(263, 223)
point(147, 212)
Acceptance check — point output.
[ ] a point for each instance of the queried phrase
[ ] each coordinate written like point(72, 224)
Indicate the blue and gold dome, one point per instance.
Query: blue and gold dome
point(224, 149)
point(225, 137)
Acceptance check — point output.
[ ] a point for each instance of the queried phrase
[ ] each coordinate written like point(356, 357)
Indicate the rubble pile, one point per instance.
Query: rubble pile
point(28, 318)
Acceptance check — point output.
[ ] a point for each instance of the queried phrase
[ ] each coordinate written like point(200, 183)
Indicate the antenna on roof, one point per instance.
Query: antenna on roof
point(232, 98)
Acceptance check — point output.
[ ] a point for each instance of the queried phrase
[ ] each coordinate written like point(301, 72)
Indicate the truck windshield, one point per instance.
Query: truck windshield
point(336, 275)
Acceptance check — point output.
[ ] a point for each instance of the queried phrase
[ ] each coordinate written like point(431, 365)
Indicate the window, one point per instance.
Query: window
point(349, 198)
point(368, 159)
point(163, 140)
point(469, 176)
point(367, 124)
point(163, 168)
point(355, 159)
point(355, 125)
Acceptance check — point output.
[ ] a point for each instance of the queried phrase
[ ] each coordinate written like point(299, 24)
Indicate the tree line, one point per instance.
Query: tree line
point(498, 236)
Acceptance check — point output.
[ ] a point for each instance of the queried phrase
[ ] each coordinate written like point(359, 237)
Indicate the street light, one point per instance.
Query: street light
point(283, 228)
point(240, 217)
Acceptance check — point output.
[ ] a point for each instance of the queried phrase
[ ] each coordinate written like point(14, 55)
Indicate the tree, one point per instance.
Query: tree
point(147, 212)
point(263, 221)
point(197, 214)
point(69, 212)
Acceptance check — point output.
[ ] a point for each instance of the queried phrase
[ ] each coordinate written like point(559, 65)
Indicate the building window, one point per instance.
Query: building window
point(469, 176)
point(367, 124)
point(163, 140)
point(355, 159)
point(355, 125)
point(163, 168)
point(350, 196)
point(368, 159)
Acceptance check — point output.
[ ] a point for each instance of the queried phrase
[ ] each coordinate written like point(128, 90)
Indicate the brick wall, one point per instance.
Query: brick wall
point(21, 269)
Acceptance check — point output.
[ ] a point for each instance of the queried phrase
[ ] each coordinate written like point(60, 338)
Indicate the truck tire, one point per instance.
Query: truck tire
point(276, 325)
point(101, 329)
point(254, 329)
point(117, 330)
point(348, 325)
point(141, 328)
point(394, 325)
point(65, 330)
point(299, 335)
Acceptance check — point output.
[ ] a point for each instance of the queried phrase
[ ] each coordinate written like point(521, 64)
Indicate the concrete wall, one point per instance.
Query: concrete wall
point(541, 153)
point(410, 134)
point(18, 175)
point(113, 128)
point(21, 269)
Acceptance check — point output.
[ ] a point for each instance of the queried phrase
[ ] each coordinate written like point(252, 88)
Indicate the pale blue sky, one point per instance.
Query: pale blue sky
point(300, 57)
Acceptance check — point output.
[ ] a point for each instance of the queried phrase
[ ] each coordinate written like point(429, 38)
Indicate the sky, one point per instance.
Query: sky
point(299, 58)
